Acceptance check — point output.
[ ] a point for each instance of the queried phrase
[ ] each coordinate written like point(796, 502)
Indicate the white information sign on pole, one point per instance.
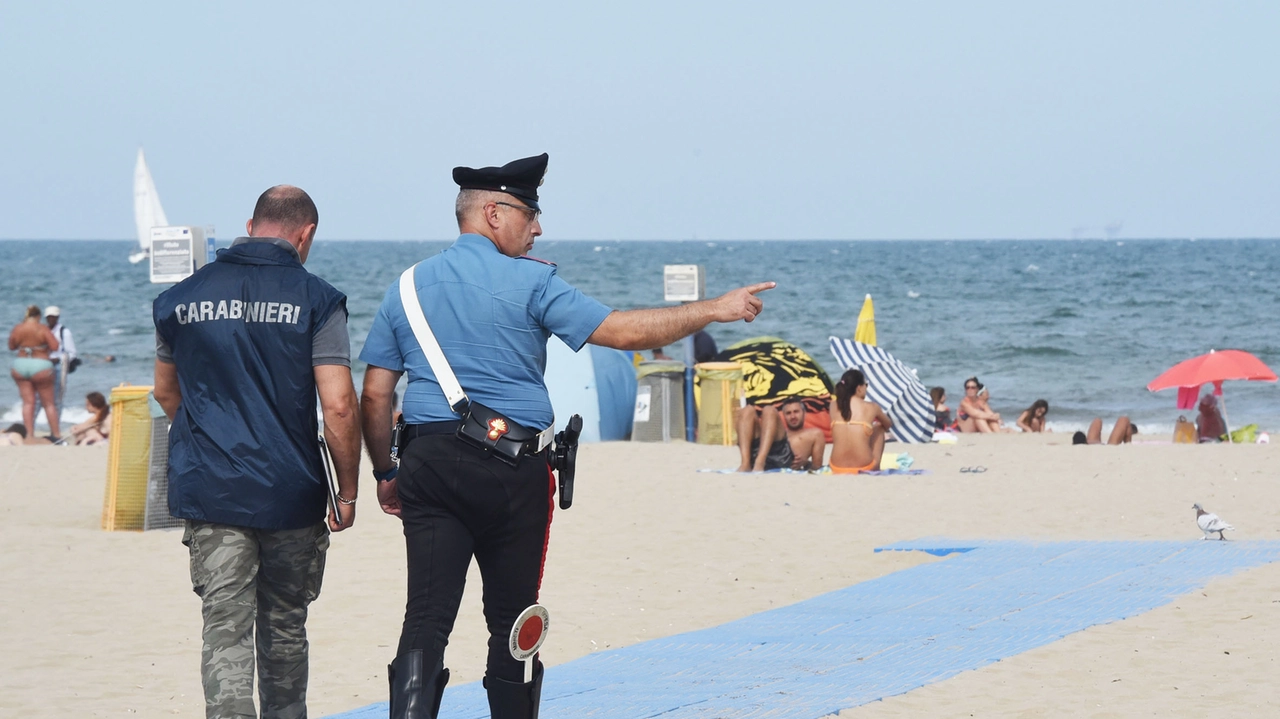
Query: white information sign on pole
point(176, 253)
point(683, 283)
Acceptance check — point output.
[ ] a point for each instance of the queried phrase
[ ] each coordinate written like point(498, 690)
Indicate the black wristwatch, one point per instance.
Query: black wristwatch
point(388, 475)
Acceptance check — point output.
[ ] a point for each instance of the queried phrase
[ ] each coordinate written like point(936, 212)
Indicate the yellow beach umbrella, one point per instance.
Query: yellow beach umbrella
point(866, 330)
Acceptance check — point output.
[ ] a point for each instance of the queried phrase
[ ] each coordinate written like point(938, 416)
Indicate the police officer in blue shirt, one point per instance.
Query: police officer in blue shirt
point(492, 309)
point(243, 346)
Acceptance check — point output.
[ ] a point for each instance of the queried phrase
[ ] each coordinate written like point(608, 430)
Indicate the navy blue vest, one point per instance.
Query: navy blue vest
point(242, 448)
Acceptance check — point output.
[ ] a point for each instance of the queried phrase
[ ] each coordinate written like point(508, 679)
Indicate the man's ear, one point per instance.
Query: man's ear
point(491, 215)
point(248, 227)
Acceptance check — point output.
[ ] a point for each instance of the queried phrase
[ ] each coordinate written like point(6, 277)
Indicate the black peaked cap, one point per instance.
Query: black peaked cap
point(520, 178)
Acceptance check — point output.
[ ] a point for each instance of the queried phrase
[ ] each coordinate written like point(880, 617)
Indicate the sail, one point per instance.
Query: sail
point(147, 212)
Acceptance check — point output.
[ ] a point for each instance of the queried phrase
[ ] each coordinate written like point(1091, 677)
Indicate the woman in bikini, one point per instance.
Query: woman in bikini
point(32, 369)
point(1032, 418)
point(857, 427)
point(98, 426)
point(975, 414)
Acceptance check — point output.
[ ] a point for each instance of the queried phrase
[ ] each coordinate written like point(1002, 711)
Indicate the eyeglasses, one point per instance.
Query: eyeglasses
point(532, 213)
point(971, 386)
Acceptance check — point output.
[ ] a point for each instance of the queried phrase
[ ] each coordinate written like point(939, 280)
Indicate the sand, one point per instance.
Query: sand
point(105, 624)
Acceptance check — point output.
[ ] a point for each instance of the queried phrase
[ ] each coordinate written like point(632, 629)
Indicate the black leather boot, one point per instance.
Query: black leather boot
point(514, 700)
point(415, 690)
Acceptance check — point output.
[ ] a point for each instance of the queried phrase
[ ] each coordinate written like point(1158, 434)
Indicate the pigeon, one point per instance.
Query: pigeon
point(1210, 523)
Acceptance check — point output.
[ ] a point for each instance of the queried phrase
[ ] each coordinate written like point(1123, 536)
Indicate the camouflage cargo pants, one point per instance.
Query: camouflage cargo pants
point(247, 580)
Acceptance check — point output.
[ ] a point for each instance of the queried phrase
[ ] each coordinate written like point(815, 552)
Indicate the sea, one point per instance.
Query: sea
point(1083, 324)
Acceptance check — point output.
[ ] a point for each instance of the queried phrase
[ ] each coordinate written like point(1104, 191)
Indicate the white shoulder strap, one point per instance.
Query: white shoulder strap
point(430, 347)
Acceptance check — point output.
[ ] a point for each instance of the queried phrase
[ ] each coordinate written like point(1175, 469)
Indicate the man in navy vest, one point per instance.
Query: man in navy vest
point(492, 309)
point(242, 348)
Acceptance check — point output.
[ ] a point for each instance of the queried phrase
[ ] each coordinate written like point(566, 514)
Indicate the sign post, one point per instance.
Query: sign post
point(527, 635)
point(686, 283)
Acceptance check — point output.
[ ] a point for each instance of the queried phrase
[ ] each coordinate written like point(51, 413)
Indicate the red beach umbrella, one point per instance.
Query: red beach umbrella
point(1214, 368)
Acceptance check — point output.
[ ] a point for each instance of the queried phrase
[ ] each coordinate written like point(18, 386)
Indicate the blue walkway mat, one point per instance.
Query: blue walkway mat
point(987, 601)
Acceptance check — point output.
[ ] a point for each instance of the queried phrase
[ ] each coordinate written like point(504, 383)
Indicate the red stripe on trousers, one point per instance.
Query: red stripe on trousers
point(546, 535)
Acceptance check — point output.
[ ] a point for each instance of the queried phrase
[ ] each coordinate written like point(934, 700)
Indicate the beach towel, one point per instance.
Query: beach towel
point(1188, 396)
point(823, 470)
point(774, 369)
point(784, 470)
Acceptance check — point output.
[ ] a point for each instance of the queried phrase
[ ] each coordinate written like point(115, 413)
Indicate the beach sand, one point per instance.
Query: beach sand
point(105, 624)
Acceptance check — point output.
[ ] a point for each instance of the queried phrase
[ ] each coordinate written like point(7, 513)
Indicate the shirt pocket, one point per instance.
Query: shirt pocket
point(511, 312)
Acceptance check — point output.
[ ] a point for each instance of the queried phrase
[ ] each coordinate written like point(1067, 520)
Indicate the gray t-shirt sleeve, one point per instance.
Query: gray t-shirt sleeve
point(331, 344)
point(163, 352)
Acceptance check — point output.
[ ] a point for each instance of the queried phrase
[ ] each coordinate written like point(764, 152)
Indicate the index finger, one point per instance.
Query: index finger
point(760, 287)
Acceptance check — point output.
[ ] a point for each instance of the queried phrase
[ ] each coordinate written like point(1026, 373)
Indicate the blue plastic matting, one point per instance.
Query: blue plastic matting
point(886, 636)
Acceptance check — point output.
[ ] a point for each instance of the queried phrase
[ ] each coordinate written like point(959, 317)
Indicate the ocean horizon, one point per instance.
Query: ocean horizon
point(1082, 323)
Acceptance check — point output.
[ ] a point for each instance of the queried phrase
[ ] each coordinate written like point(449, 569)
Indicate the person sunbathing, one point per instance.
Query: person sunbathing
point(798, 447)
point(98, 426)
point(975, 414)
point(1122, 433)
point(1032, 418)
point(15, 435)
point(857, 427)
point(941, 412)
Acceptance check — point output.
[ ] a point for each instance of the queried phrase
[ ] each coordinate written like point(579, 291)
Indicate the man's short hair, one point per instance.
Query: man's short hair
point(791, 400)
point(464, 204)
point(287, 206)
point(470, 200)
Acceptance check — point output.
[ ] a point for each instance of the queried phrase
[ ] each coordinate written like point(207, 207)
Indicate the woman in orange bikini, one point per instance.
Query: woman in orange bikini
point(857, 427)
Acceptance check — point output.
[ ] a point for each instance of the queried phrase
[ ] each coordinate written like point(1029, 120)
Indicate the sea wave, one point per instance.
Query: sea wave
point(1014, 351)
point(70, 416)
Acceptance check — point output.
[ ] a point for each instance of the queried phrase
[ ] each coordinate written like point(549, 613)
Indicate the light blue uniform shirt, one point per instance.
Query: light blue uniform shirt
point(492, 315)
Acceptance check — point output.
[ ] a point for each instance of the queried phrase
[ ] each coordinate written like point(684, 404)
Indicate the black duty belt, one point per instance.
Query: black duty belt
point(536, 445)
point(413, 431)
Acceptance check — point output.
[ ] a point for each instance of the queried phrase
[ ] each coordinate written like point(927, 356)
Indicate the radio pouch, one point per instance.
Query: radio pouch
point(489, 430)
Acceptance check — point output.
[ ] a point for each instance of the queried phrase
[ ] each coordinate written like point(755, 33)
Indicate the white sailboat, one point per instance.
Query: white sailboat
point(147, 212)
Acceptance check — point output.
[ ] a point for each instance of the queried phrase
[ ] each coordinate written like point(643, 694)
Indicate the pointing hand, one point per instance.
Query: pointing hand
point(742, 303)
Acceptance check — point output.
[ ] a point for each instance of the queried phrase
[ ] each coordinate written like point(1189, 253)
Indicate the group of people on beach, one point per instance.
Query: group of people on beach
point(976, 416)
point(975, 413)
point(858, 432)
point(44, 354)
point(778, 437)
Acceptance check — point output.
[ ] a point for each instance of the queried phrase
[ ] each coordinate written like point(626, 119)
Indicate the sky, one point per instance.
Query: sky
point(663, 120)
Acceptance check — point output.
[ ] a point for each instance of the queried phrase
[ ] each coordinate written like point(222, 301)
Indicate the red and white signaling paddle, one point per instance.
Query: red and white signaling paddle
point(527, 635)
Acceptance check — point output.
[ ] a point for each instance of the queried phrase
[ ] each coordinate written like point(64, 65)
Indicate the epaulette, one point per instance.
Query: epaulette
point(535, 259)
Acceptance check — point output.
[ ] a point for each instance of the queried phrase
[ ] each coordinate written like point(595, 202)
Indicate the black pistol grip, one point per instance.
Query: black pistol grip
point(566, 458)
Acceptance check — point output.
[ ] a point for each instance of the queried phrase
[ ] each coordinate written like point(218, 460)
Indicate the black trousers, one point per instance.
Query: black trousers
point(456, 503)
